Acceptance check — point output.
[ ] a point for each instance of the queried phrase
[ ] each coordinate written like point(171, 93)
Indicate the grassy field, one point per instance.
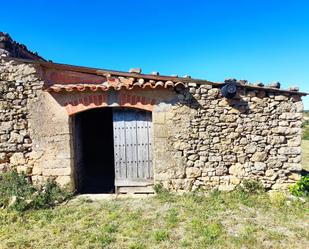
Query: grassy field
point(219, 220)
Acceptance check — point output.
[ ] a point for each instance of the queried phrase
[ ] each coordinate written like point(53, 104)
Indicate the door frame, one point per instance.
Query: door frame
point(121, 185)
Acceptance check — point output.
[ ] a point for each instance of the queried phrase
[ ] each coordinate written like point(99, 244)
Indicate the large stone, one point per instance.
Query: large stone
point(193, 157)
point(259, 166)
point(64, 180)
point(259, 157)
point(214, 92)
point(17, 159)
point(281, 98)
point(16, 138)
point(193, 172)
point(3, 157)
point(250, 149)
point(291, 116)
point(237, 169)
point(215, 159)
point(294, 142)
point(292, 166)
point(289, 151)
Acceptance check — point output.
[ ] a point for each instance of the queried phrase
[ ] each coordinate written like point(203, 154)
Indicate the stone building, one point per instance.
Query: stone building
point(105, 131)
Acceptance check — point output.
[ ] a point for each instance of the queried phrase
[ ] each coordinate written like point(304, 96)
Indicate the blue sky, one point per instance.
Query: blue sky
point(257, 40)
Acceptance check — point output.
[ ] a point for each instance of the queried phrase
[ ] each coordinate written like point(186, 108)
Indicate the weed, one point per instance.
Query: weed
point(211, 233)
point(163, 194)
point(137, 245)
point(301, 187)
point(278, 200)
point(252, 186)
point(18, 194)
point(161, 235)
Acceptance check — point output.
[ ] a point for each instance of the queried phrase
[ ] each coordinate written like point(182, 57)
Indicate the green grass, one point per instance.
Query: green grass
point(305, 155)
point(306, 130)
point(217, 220)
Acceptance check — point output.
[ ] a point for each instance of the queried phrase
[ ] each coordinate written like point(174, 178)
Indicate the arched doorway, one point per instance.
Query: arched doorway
point(113, 150)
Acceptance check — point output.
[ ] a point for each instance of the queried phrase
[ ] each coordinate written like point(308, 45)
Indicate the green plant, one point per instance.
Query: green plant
point(17, 193)
point(137, 245)
point(306, 130)
point(211, 232)
point(301, 187)
point(161, 235)
point(163, 194)
point(159, 189)
point(252, 186)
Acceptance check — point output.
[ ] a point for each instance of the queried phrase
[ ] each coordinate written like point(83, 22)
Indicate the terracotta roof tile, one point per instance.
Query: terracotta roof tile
point(115, 84)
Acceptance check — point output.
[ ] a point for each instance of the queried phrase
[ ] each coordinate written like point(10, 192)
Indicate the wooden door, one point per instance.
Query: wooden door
point(132, 147)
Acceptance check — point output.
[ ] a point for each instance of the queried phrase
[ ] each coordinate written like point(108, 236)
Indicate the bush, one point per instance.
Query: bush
point(301, 188)
point(252, 187)
point(17, 193)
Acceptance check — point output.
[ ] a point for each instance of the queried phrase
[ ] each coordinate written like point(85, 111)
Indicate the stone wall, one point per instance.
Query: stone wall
point(207, 141)
point(35, 133)
point(200, 139)
point(18, 84)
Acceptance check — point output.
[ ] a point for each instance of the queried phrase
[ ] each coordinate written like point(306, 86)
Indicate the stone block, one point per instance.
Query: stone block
point(259, 157)
point(160, 131)
point(259, 166)
point(294, 142)
point(295, 177)
point(292, 166)
point(17, 158)
point(291, 116)
point(56, 172)
point(193, 172)
point(214, 158)
point(158, 117)
point(16, 138)
point(64, 180)
point(250, 149)
point(22, 169)
point(289, 151)
point(237, 169)
point(281, 98)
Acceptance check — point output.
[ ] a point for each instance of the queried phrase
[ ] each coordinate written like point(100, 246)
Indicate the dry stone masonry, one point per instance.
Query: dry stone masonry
point(201, 140)
point(216, 142)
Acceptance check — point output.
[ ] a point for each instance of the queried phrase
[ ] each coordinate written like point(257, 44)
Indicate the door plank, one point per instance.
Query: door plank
point(132, 146)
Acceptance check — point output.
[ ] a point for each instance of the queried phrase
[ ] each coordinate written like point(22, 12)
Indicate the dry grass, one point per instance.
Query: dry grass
point(219, 220)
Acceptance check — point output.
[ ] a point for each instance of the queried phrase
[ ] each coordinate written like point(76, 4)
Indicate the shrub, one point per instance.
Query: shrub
point(17, 193)
point(251, 187)
point(301, 187)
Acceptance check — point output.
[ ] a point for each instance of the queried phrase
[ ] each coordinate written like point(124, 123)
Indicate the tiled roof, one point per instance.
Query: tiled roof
point(117, 84)
point(135, 79)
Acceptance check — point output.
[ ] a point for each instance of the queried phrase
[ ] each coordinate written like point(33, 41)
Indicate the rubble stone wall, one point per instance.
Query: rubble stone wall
point(200, 139)
point(207, 141)
point(34, 131)
point(18, 84)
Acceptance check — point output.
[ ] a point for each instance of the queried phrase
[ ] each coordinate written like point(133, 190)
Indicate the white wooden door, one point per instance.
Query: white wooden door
point(132, 147)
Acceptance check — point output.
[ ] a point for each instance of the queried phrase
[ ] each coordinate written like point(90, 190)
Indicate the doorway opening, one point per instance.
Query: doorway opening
point(94, 151)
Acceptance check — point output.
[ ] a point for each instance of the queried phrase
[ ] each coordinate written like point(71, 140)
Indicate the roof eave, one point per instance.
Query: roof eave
point(98, 71)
